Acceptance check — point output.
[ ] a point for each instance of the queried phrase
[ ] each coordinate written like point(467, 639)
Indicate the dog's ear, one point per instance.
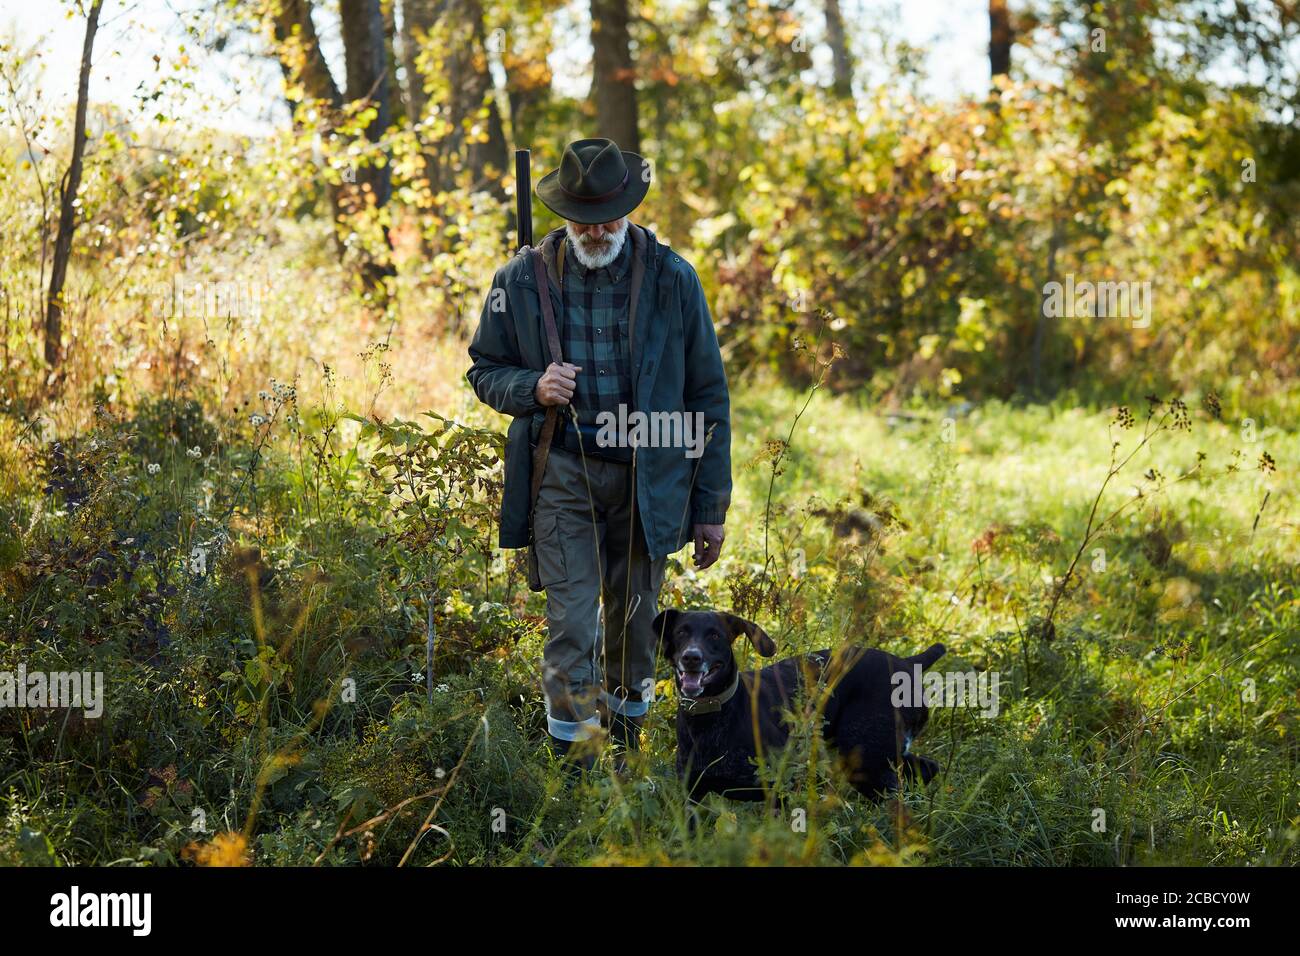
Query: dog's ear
point(662, 627)
point(765, 646)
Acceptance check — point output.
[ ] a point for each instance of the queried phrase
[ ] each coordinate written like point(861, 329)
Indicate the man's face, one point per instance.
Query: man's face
point(596, 239)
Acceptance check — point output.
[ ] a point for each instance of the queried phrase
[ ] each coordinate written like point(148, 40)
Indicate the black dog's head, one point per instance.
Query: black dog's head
point(698, 643)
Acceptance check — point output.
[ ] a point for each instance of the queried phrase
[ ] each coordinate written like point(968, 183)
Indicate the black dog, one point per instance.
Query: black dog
point(721, 710)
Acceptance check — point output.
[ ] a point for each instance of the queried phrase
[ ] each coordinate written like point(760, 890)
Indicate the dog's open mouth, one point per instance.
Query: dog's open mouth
point(692, 682)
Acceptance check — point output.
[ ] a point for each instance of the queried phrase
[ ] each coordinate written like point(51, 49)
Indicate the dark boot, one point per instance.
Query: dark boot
point(625, 735)
point(576, 757)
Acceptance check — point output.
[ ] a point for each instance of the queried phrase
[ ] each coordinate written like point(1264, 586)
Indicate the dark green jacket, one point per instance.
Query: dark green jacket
point(677, 367)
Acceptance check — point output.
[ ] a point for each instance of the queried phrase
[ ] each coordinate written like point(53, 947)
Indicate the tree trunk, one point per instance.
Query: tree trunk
point(477, 139)
point(841, 60)
point(293, 22)
point(68, 211)
point(391, 63)
point(477, 114)
point(528, 79)
point(613, 81)
point(454, 31)
point(366, 60)
point(1001, 36)
point(301, 61)
point(418, 17)
point(419, 20)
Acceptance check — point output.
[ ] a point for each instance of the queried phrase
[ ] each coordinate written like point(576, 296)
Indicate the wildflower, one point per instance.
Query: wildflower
point(1211, 403)
point(443, 688)
point(195, 452)
point(417, 676)
point(256, 420)
point(153, 467)
point(1182, 420)
point(226, 849)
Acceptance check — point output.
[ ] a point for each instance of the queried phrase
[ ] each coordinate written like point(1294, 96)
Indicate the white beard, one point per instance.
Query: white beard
point(597, 255)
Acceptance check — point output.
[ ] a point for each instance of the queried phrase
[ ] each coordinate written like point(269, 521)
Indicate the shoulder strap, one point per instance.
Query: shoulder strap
point(543, 450)
point(548, 311)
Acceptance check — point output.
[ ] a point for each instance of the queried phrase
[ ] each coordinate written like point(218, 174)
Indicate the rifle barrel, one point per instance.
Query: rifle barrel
point(524, 197)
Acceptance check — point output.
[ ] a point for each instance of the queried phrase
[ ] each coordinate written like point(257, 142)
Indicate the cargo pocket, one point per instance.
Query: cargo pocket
point(549, 549)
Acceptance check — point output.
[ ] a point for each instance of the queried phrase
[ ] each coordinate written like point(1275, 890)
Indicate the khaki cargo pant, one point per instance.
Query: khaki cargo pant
point(584, 566)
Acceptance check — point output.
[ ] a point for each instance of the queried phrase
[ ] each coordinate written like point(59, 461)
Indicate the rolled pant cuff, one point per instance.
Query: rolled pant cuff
point(572, 729)
point(628, 708)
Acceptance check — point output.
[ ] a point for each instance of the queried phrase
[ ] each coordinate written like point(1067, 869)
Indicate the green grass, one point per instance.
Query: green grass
point(281, 693)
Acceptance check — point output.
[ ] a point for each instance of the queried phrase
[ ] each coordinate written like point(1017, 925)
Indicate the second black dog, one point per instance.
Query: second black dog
point(724, 716)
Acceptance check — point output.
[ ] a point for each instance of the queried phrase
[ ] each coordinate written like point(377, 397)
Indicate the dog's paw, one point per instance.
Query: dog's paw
point(914, 766)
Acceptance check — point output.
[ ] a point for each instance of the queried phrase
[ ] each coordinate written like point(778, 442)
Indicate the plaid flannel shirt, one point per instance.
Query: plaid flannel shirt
point(594, 334)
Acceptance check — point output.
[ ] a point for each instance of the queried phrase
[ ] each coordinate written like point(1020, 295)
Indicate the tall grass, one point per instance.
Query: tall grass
point(260, 609)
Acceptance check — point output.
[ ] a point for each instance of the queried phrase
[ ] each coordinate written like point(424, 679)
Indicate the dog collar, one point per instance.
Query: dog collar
point(709, 705)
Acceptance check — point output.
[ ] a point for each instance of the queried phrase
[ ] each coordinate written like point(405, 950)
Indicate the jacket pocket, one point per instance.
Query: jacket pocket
point(515, 501)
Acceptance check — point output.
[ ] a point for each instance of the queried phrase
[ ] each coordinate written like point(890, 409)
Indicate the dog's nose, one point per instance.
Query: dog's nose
point(691, 658)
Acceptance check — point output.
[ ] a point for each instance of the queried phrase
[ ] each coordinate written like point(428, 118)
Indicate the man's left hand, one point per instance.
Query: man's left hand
point(708, 544)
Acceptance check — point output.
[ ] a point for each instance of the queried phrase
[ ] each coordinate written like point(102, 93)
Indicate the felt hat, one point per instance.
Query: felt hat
point(596, 182)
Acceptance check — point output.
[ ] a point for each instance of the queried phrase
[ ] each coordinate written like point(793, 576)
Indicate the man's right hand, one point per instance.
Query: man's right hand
point(557, 384)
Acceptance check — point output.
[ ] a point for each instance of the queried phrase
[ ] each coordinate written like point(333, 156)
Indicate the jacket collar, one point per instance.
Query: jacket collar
point(549, 245)
point(692, 706)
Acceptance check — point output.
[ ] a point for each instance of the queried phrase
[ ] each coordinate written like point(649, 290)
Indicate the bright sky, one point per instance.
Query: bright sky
point(238, 89)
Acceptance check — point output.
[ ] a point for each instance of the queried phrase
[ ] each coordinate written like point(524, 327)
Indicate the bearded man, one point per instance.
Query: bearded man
point(603, 324)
